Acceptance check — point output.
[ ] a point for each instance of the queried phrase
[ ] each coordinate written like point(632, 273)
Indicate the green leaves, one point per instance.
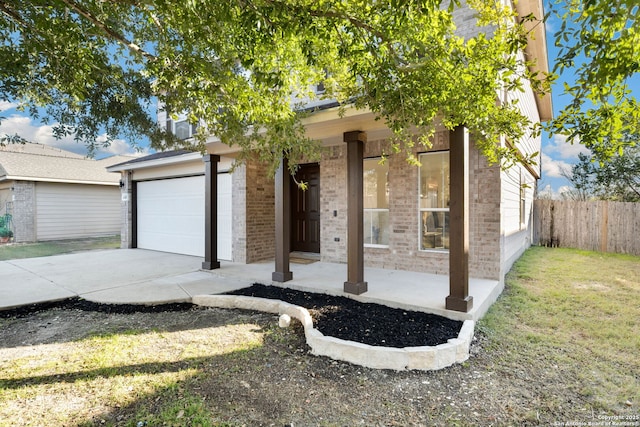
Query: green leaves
point(242, 69)
point(600, 43)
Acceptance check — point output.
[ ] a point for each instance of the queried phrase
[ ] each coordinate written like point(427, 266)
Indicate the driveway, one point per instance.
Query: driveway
point(121, 276)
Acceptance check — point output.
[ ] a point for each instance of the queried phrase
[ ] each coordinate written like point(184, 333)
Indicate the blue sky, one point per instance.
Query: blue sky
point(557, 153)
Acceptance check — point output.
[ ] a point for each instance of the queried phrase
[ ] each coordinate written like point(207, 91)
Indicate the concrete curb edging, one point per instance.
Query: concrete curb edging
point(456, 350)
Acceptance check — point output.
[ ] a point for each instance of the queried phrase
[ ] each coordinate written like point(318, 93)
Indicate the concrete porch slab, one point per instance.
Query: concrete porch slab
point(395, 288)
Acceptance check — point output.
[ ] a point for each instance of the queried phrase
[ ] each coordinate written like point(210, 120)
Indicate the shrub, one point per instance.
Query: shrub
point(5, 232)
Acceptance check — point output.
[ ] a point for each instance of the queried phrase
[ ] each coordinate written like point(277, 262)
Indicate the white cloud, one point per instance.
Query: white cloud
point(549, 193)
point(554, 168)
point(43, 134)
point(564, 148)
point(6, 105)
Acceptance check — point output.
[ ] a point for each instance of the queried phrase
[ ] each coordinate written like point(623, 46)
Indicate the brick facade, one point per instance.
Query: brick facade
point(403, 252)
point(253, 199)
point(126, 211)
point(254, 213)
point(24, 202)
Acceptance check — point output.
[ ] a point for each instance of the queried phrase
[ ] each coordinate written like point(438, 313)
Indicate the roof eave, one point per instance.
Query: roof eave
point(537, 49)
point(184, 158)
point(56, 180)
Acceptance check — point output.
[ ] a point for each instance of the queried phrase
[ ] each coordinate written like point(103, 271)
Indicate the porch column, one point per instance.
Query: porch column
point(283, 223)
point(211, 212)
point(459, 298)
point(355, 283)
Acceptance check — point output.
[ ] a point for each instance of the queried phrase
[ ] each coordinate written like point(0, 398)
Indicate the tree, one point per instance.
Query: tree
point(617, 179)
point(600, 43)
point(235, 67)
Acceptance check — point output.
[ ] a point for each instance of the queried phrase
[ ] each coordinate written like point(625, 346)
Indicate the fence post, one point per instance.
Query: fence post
point(604, 226)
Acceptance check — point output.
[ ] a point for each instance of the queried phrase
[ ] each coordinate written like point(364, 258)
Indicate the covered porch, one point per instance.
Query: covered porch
point(441, 294)
point(394, 288)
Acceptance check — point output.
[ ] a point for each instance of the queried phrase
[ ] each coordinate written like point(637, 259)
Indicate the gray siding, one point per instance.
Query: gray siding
point(68, 211)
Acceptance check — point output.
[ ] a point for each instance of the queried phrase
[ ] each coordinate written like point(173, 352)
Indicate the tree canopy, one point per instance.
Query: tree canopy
point(599, 42)
point(617, 179)
point(242, 68)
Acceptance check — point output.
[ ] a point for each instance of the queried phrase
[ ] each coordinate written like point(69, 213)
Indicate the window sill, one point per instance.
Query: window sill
point(370, 246)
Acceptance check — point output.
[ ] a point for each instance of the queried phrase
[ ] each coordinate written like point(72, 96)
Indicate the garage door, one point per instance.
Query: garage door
point(171, 215)
point(68, 211)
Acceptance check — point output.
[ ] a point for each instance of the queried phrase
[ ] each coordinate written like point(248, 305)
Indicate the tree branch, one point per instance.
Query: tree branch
point(108, 31)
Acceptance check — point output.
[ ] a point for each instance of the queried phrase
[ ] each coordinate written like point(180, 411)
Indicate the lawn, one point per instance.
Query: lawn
point(560, 347)
point(58, 247)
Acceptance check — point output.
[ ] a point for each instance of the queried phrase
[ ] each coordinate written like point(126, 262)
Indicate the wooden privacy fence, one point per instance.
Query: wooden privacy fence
point(597, 226)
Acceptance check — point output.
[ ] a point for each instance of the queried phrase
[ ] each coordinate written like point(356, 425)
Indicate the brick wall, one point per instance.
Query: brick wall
point(126, 211)
point(253, 199)
point(484, 218)
point(254, 213)
point(24, 211)
point(403, 253)
point(333, 204)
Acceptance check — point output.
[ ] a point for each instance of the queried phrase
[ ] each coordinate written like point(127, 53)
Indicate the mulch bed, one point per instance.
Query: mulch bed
point(334, 316)
point(366, 323)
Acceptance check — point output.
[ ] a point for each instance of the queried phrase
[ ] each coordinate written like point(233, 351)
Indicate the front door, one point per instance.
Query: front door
point(305, 210)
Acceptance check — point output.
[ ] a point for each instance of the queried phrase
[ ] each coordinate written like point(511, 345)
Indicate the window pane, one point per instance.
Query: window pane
point(434, 229)
point(375, 188)
point(182, 129)
point(434, 180)
point(376, 227)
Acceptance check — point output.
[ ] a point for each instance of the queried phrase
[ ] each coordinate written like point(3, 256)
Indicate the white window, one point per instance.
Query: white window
point(181, 128)
point(376, 203)
point(434, 200)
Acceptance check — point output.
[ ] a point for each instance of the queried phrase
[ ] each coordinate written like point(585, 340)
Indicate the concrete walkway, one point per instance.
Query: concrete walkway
point(137, 276)
point(122, 276)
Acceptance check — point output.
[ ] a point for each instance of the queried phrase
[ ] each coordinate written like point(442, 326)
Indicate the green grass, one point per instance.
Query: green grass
point(578, 312)
point(33, 250)
point(78, 380)
point(561, 344)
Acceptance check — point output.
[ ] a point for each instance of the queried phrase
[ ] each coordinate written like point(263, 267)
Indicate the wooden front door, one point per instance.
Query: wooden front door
point(305, 210)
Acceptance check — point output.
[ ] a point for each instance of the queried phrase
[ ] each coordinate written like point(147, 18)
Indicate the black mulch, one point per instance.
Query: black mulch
point(334, 316)
point(366, 323)
point(81, 304)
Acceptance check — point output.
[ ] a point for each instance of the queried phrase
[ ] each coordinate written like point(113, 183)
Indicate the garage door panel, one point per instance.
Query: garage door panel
point(171, 215)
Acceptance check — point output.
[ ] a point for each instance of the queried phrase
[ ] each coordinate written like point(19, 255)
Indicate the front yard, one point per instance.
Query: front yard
point(560, 346)
point(56, 247)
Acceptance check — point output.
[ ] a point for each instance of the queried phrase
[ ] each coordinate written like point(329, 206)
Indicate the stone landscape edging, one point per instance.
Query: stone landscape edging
point(455, 350)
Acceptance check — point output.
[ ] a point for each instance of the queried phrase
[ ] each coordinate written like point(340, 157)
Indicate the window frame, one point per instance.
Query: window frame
point(446, 210)
point(371, 210)
point(171, 127)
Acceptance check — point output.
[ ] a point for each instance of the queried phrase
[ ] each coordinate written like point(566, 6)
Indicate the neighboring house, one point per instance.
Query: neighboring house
point(392, 216)
point(53, 194)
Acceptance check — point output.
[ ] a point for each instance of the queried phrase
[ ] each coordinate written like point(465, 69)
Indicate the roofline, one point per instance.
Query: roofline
point(56, 180)
point(537, 48)
point(183, 158)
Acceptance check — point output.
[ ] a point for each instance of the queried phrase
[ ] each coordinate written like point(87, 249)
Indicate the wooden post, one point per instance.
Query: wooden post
point(283, 223)
point(211, 212)
point(459, 298)
point(604, 227)
point(134, 214)
point(355, 283)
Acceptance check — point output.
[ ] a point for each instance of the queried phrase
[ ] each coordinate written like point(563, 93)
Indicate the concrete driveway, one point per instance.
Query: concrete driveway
point(121, 276)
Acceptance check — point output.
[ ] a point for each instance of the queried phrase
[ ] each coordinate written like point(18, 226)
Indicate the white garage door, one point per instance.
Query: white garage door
point(171, 215)
point(68, 211)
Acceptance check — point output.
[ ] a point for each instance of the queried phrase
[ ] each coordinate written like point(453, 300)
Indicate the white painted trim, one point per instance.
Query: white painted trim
point(183, 158)
point(57, 180)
